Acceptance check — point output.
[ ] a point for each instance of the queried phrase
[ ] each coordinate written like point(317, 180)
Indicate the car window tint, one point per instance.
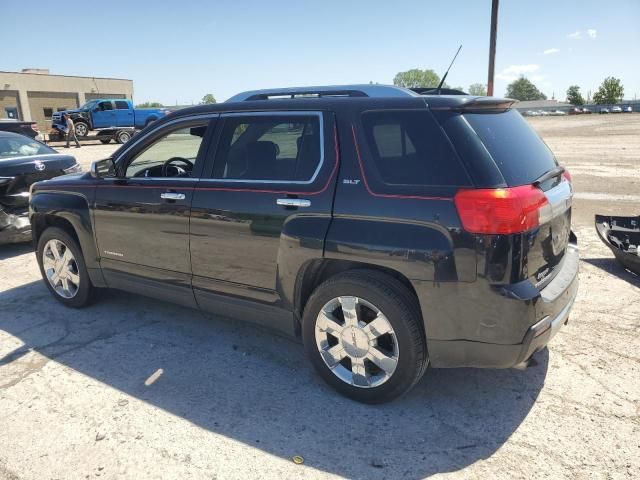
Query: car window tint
point(410, 149)
point(20, 146)
point(263, 148)
point(516, 148)
point(179, 144)
point(122, 105)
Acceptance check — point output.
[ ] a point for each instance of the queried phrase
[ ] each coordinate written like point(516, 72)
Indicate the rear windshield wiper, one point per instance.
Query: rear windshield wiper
point(554, 172)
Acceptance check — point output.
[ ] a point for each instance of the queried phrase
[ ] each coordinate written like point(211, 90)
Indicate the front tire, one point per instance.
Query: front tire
point(82, 129)
point(63, 269)
point(362, 332)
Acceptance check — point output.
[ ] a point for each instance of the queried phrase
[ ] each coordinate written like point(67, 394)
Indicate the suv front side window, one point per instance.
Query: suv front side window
point(172, 155)
point(269, 148)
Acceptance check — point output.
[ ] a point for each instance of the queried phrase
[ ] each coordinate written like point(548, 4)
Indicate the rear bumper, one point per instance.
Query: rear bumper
point(551, 306)
point(14, 226)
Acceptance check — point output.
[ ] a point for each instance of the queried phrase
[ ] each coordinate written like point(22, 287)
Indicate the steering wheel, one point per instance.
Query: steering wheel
point(168, 163)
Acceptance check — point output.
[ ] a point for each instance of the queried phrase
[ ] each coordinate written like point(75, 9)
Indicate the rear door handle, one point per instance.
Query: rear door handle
point(293, 202)
point(172, 196)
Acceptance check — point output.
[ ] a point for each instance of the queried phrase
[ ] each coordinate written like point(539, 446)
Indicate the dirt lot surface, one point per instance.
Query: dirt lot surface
point(135, 388)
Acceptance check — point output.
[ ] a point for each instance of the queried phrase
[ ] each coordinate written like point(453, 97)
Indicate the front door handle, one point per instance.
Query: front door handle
point(172, 196)
point(293, 202)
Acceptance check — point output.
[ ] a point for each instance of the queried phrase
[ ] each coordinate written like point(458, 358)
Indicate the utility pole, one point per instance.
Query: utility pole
point(492, 45)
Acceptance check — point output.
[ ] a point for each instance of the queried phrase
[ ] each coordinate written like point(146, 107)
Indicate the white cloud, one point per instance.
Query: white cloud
point(592, 32)
point(512, 72)
point(550, 51)
point(577, 35)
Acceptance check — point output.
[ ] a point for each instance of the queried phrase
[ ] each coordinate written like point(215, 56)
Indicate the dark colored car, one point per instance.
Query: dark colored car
point(30, 129)
point(24, 161)
point(391, 231)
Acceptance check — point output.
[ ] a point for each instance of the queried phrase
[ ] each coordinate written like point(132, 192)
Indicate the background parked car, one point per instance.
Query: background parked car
point(576, 111)
point(604, 110)
point(586, 111)
point(24, 161)
point(107, 114)
point(627, 109)
point(616, 109)
point(30, 129)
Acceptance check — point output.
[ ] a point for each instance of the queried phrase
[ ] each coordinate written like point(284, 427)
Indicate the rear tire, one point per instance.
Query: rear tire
point(123, 137)
point(63, 268)
point(365, 361)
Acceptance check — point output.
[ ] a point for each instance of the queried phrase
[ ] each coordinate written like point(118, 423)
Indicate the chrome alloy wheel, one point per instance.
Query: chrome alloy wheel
point(61, 268)
point(357, 342)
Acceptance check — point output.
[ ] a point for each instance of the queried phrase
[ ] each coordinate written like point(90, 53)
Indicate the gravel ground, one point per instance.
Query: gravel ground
point(135, 388)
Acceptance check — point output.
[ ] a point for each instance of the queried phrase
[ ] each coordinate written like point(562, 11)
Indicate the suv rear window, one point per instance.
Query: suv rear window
point(516, 148)
point(409, 149)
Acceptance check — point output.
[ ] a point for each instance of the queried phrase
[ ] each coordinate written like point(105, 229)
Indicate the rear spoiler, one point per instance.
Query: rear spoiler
point(477, 103)
point(436, 91)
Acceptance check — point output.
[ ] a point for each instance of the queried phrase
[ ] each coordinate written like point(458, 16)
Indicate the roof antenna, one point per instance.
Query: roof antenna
point(446, 73)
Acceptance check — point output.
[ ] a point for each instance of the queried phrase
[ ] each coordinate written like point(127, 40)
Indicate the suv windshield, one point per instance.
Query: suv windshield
point(518, 151)
point(21, 146)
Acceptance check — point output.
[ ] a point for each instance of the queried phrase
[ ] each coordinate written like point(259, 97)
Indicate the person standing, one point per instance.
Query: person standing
point(71, 130)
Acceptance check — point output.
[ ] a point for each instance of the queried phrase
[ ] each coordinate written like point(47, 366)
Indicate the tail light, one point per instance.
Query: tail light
point(567, 175)
point(501, 210)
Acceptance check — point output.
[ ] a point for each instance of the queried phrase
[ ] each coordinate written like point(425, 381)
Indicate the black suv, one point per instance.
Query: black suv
point(390, 230)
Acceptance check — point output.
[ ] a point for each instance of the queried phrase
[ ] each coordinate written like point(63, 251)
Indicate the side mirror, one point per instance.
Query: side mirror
point(103, 168)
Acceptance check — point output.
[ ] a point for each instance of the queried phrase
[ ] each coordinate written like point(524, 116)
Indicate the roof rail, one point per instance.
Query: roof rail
point(367, 90)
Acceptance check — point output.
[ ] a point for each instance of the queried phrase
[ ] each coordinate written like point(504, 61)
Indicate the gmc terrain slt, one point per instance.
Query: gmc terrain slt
point(390, 230)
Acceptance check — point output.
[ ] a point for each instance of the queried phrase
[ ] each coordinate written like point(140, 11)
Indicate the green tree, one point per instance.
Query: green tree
point(417, 78)
point(574, 97)
point(208, 98)
point(478, 89)
point(149, 105)
point(610, 91)
point(523, 89)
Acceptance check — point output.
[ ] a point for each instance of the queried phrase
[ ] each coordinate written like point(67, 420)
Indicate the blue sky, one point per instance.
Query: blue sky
point(176, 51)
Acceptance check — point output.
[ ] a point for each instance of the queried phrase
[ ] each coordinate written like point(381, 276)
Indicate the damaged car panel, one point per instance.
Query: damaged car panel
point(24, 161)
point(622, 236)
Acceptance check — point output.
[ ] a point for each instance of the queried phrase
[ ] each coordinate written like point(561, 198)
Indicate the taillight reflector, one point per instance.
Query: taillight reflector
point(500, 210)
point(566, 175)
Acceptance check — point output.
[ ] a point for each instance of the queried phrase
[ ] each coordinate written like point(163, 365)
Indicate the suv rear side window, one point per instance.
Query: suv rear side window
point(410, 150)
point(122, 105)
point(516, 148)
point(278, 148)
